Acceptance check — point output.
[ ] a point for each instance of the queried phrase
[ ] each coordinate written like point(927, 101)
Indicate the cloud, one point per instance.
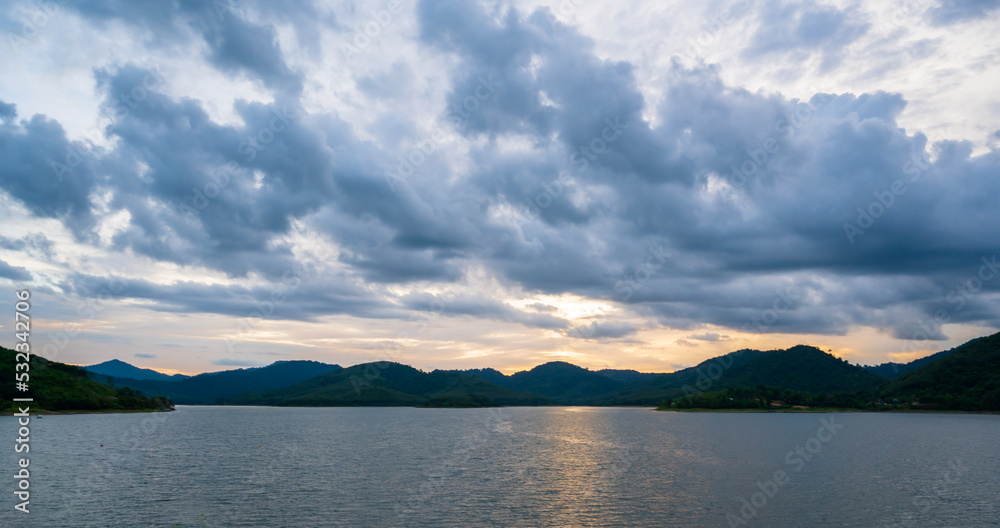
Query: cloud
point(235, 362)
point(296, 297)
point(51, 175)
point(602, 330)
point(14, 273)
point(240, 47)
point(234, 43)
point(955, 11)
point(8, 111)
point(32, 243)
point(802, 29)
point(708, 336)
point(146, 356)
point(480, 307)
point(544, 163)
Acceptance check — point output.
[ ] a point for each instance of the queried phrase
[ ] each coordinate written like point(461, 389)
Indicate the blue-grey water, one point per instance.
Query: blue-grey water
point(553, 466)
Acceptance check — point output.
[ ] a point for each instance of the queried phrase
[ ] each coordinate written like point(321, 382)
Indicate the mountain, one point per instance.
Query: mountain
point(488, 374)
point(894, 370)
point(627, 376)
point(564, 383)
point(800, 368)
point(215, 387)
point(56, 386)
point(391, 384)
point(966, 379)
point(120, 369)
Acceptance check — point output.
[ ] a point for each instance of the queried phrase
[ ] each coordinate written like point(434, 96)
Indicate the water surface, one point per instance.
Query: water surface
point(552, 466)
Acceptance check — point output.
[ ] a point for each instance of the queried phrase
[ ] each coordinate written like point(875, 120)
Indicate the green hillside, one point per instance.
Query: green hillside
point(803, 368)
point(391, 384)
point(893, 370)
point(60, 387)
point(800, 368)
point(966, 379)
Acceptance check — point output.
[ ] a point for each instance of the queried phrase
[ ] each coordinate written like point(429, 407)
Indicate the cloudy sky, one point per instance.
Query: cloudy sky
point(193, 185)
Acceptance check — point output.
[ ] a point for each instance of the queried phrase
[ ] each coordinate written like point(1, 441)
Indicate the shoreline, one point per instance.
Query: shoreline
point(35, 412)
point(44, 412)
point(827, 410)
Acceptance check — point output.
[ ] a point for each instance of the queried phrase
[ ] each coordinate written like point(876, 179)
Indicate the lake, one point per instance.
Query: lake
point(547, 466)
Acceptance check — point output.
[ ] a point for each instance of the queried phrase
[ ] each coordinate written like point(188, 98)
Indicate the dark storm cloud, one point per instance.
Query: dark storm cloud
point(954, 11)
point(204, 209)
point(799, 29)
point(227, 193)
point(533, 59)
point(235, 44)
point(50, 174)
point(802, 170)
point(8, 111)
point(744, 210)
point(293, 297)
point(241, 47)
point(15, 273)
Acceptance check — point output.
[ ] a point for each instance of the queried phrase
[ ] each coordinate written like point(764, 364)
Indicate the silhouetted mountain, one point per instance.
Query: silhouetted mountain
point(120, 369)
point(893, 370)
point(627, 376)
point(56, 386)
point(391, 384)
point(488, 374)
point(564, 382)
point(800, 368)
point(966, 379)
point(214, 387)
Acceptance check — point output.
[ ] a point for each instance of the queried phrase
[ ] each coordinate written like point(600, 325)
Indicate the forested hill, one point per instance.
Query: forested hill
point(215, 387)
point(56, 386)
point(564, 382)
point(966, 379)
point(800, 368)
point(392, 384)
point(894, 370)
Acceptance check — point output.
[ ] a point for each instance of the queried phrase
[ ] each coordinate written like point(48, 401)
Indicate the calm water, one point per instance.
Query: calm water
point(253, 466)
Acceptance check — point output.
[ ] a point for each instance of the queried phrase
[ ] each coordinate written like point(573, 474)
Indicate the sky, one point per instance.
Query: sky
point(195, 186)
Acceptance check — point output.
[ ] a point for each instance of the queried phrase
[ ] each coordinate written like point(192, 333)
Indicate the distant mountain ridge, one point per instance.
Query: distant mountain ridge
point(627, 375)
point(392, 384)
point(214, 387)
point(120, 369)
point(795, 372)
point(564, 382)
